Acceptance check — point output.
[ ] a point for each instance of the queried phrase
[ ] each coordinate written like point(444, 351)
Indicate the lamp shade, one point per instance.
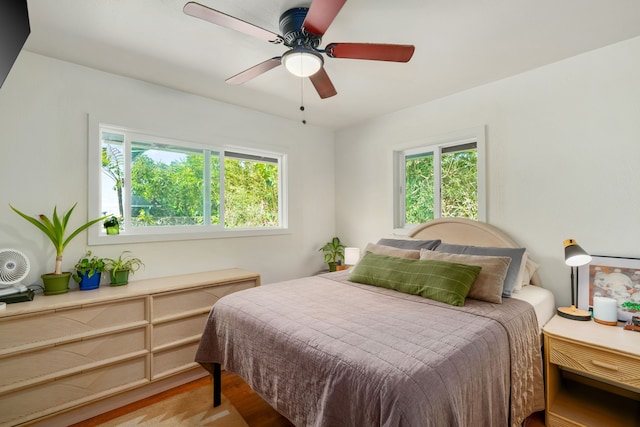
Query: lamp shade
point(574, 255)
point(351, 256)
point(302, 62)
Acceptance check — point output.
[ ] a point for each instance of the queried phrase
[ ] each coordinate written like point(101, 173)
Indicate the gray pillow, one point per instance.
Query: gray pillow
point(412, 244)
point(513, 272)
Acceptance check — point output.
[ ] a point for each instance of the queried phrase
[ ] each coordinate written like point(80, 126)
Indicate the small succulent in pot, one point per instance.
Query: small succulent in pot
point(112, 225)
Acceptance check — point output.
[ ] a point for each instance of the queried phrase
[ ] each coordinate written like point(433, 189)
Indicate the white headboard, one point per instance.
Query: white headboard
point(463, 231)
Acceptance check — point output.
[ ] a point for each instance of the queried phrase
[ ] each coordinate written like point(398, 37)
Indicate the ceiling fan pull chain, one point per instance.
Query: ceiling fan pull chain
point(304, 120)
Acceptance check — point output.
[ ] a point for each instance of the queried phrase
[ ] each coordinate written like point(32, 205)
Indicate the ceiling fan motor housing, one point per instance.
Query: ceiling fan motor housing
point(291, 28)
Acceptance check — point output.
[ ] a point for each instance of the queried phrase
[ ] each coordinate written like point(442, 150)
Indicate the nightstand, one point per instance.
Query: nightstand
point(592, 374)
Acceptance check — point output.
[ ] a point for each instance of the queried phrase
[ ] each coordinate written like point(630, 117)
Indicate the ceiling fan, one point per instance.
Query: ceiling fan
point(302, 30)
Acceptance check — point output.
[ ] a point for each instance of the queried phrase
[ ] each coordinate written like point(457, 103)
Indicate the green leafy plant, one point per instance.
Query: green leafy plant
point(631, 305)
point(112, 225)
point(111, 221)
point(55, 229)
point(125, 261)
point(88, 265)
point(333, 251)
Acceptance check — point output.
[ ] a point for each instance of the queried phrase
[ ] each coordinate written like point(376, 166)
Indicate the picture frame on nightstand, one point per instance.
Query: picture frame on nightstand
point(612, 277)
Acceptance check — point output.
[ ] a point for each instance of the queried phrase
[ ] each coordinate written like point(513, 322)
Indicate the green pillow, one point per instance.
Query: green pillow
point(442, 281)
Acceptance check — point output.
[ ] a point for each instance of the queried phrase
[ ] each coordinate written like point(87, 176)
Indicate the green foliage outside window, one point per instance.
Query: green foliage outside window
point(251, 194)
point(167, 194)
point(460, 184)
point(459, 196)
point(170, 193)
point(419, 175)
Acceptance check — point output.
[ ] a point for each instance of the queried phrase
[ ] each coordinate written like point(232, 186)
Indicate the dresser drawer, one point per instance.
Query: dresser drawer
point(176, 331)
point(28, 331)
point(52, 362)
point(614, 367)
point(64, 393)
point(172, 304)
point(164, 363)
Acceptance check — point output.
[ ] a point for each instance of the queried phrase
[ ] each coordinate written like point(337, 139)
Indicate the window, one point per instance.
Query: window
point(163, 189)
point(442, 179)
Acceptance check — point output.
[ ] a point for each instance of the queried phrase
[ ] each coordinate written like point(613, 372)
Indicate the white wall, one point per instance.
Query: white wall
point(44, 105)
point(563, 158)
point(563, 145)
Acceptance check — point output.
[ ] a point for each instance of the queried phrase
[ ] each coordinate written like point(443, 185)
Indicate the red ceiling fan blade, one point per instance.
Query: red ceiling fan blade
point(321, 14)
point(254, 71)
point(211, 15)
point(323, 85)
point(371, 51)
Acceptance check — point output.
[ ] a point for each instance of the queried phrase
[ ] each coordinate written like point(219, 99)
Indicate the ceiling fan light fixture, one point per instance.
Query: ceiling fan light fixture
point(302, 62)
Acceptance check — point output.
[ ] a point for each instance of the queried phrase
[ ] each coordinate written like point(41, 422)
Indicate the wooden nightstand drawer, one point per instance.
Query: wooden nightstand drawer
point(608, 365)
point(556, 421)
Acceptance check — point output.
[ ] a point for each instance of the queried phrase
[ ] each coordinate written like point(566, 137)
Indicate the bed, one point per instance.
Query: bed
point(329, 351)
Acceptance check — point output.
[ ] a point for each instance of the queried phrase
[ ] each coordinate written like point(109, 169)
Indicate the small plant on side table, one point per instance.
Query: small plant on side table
point(88, 271)
point(121, 268)
point(333, 253)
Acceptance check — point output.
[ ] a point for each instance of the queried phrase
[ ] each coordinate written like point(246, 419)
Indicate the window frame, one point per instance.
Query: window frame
point(97, 235)
point(435, 145)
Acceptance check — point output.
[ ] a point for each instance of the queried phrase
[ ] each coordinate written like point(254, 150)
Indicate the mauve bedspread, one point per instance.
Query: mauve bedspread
point(327, 352)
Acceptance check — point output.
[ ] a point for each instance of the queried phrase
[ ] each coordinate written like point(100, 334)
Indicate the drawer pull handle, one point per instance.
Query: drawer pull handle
point(605, 365)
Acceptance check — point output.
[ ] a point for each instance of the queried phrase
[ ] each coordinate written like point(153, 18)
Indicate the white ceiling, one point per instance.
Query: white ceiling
point(460, 44)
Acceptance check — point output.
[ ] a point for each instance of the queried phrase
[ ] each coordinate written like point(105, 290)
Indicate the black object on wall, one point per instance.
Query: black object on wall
point(14, 30)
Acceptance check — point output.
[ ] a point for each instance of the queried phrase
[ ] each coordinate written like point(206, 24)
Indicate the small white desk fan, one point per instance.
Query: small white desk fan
point(14, 267)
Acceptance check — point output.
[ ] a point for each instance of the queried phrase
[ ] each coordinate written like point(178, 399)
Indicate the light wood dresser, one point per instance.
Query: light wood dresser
point(62, 352)
point(592, 374)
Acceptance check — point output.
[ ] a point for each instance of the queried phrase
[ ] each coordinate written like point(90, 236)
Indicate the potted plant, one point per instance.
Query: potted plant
point(55, 228)
point(112, 225)
point(333, 253)
point(88, 271)
point(121, 268)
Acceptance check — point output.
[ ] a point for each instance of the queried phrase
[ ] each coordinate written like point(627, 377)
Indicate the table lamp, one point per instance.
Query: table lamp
point(351, 256)
point(574, 256)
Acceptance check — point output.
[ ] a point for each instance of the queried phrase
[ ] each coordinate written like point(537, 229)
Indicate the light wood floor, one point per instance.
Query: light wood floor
point(255, 411)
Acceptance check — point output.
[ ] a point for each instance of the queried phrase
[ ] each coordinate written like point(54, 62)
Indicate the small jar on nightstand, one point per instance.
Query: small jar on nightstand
point(592, 374)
